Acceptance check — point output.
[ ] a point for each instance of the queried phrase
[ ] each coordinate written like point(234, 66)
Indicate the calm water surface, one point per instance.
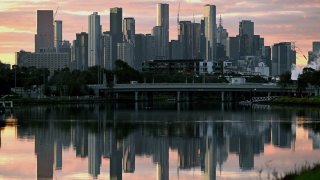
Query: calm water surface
point(164, 141)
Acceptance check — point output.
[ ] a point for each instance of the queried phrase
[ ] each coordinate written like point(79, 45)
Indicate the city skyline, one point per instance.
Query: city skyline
point(278, 25)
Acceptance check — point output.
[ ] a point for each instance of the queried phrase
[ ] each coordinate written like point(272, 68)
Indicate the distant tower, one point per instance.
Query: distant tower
point(246, 33)
point(45, 35)
point(163, 22)
point(57, 35)
point(115, 29)
point(128, 29)
point(209, 14)
point(94, 36)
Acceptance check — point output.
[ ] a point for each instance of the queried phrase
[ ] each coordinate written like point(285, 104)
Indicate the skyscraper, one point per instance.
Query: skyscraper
point(128, 29)
point(157, 33)
point(57, 35)
point(44, 37)
point(185, 39)
point(163, 22)
point(126, 53)
point(316, 48)
point(222, 34)
point(283, 57)
point(81, 51)
point(94, 36)
point(233, 48)
point(115, 29)
point(107, 61)
point(246, 33)
point(210, 26)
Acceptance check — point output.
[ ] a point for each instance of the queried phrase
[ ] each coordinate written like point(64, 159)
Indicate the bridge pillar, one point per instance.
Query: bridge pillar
point(136, 96)
point(178, 96)
point(222, 96)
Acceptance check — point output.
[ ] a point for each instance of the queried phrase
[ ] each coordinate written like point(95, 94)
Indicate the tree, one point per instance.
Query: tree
point(285, 79)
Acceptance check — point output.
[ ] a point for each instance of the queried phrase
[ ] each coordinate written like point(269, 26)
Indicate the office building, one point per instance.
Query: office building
point(140, 50)
point(126, 53)
point(81, 51)
point(283, 57)
point(107, 61)
point(175, 49)
point(157, 33)
point(116, 29)
point(210, 27)
point(128, 29)
point(150, 47)
point(94, 37)
point(44, 39)
point(222, 34)
point(50, 60)
point(57, 35)
point(163, 24)
point(233, 48)
point(246, 35)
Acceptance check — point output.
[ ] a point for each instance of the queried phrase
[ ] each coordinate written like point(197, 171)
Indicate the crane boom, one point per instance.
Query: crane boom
point(54, 16)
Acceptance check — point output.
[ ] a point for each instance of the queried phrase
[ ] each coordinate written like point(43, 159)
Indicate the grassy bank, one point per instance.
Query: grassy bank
point(297, 101)
point(306, 172)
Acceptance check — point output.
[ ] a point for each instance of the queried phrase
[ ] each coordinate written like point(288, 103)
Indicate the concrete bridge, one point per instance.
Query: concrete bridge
point(183, 90)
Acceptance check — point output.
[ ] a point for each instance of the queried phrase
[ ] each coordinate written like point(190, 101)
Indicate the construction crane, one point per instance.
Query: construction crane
point(178, 18)
point(54, 16)
point(295, 47)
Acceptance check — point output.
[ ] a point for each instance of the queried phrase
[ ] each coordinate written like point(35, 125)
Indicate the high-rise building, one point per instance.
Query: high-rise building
point(195, 40)
point(115, 29)
point(150, 47)
point(316, 47)
point(210, 26)
point(283, 57)
point(94, 37)
point(175, 49)
point(222, 34)
point(246, 34)
point(266, 55)
point(163, 23)
point(57, 35)
point(107, 61)
point(44, 39)
point(233, 48)
point(184, 37)
point(128, 29)
point(126, 53)
point(157, 33)
point(140, 51)
point(258, 44)
point(81, 51)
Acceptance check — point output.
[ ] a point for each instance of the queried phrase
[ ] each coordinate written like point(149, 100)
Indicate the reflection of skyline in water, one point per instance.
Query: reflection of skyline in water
point(202, 139)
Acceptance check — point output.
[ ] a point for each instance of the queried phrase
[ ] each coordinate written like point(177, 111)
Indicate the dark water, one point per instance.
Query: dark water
point(164, 141)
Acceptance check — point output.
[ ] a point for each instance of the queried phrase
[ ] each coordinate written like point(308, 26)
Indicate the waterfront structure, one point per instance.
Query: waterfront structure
point(94, 37)
point(162, 29)
point(126, 53)
point(107, 61)
point(210, 33)
point(246, 35)
point(44, 39)
point(57, 35)
point(116, 29)
point(50, 60)
point(283, 57)
point(81, 51)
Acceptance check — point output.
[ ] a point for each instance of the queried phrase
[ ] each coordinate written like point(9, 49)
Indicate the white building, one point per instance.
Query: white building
point(126, 53)
point(51, 61)
point(209, 15)
point(262, 69)
point(94, 40)
point(206, 67)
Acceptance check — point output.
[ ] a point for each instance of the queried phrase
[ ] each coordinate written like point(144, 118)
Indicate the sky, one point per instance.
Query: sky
point(276, 20)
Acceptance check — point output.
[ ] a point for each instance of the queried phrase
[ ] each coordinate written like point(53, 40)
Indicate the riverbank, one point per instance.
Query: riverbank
point(296, 101)
point(306, 172)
